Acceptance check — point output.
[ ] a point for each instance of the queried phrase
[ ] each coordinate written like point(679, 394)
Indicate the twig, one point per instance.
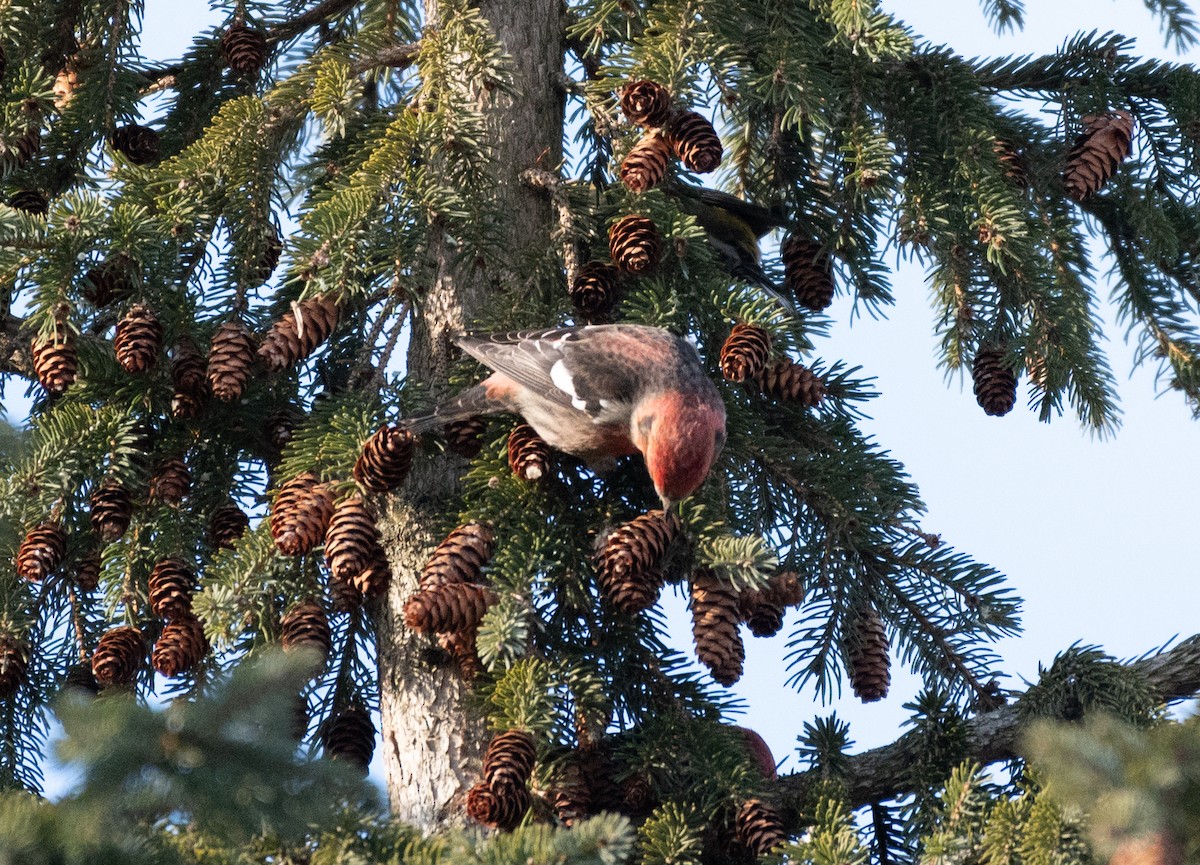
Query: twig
point(552, 185)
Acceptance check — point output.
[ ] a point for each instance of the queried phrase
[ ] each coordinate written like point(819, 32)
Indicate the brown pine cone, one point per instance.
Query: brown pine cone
point(344, 597)
point(635, 243)
point(995, 381)
point(465, 437)
point(108, 281)
point(300, 515)
point(138, 144)
point(20, 151)
point(138, 339)
point(170, 588)
point(170, 482)
point(489, 808)
point(305, 626)
point(715, 627)
point(297, 335)
point(460, 557)
point(596, 290)
point(463, 654)
point(14, 661)
point(763, 610)
point(807, 273)
point(41, 551)
point(695, 142)
point(87, 571)
point(1098, 152)
point(789, 381)
point(352, 538)
point(569, 794)
point(1012, 163)
point(372, 581)
point(112, 509)
point(269, 260)
point(745, 352)
point(632, 592)
point(31, 201)
point(188, 368)
point(349, 735)
point(281, 424)
point(385, 459)
point(453, 607)
point(180, 646)
point(646, 163)
point(119, 656)
point(867, 661)
point(244, 49)
point(226, 525)
point(759, 751)
point(759, 827)
point(508, 761)
point(646, 103)
point(636, 547)
point(528, 454)
point(55, 362)
point(229, 360)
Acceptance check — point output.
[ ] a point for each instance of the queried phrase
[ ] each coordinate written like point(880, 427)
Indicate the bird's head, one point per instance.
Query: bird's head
point(680, 435)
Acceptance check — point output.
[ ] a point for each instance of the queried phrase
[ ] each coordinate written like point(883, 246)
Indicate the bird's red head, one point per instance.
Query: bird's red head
point(680, 435)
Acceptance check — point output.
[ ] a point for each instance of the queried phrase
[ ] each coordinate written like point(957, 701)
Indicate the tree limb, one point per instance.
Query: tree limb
point(14, 348)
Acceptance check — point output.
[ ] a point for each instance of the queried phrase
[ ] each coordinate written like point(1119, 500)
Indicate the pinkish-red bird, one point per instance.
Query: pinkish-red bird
point(601, 392)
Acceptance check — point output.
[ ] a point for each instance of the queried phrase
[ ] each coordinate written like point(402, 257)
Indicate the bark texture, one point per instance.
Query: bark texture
point(432, 743)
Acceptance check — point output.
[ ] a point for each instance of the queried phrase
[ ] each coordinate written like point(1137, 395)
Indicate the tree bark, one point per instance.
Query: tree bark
point(431, 739)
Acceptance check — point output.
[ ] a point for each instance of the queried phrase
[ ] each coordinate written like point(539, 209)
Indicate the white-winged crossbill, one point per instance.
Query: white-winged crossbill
point(601, 392)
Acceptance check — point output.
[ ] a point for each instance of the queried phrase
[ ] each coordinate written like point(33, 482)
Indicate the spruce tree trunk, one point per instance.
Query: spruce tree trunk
point(431, 741)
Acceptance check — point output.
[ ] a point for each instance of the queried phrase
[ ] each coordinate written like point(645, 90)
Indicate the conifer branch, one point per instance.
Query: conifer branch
point(14, 349)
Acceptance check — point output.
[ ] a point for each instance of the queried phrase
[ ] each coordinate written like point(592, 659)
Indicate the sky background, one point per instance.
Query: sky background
point(1095, 535)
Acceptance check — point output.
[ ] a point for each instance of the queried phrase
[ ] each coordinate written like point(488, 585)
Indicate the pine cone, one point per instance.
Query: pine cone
point(646, 103)
point(460, 557)
point(300, 515)
point(229, 360)
point(695, 142)
point(350, 736)
point(305, 626)
point(55, 362)
point(569, 795)
point(465, 437)
point(995, 381)
point(806, 272)
point(596, 290)
point(87, 571)
point(188, 369)
point(489, 808)
point(269, 260)
point(463, 654)
point(180, 646)
point(352, 538)
point(1098, 152)
point(138, 144)
point(385, 459)
point(112, 509)
point(646, 163)
point(745, 352)
point(1012, 163)
point(18, 152)
point(14, 661)
point(31, 201)
point(528, 455)
point(170, 587)
point(763, 610)
point(789, 381)
point(759, 751)
point(454, 607)
point(244, 49)
point(627, 565)
point(715, 627)
point(41, 551)
point(170, 482)
point(867, 661)
point(508, 761)
point(372, 581)
point(118, 657)
point(138, 339)
point(297, 335)
point(281, 425)
point(759, 827)
point(634, 244)
point(226, 525)
point(108, 281)
point(343, 596)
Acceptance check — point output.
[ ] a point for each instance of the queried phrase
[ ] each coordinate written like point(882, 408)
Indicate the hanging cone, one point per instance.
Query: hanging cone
point(463, 653)
point(229, 360)
point(349, 735)
point(789, 381)
point(454, 607)
point(867, 661)
point(760, 752)
point(763, 610)
point(385, 459)
point(108, 281)
point(244, 49)
point(281, 425)
point(297, 335)
point(226, 525)
point(188, 369)
point(634, 244)
point(18, 152)
point(269, 260)
point(627, 565)
point(646, 164)
point(596, 290)
point(460, 557)
point(138, 339)
point(528, 455)
point(41, 551)
point(343, 596)
point(598, 772)
point(1098, 152)
point(87, 571)
point(1012, 163)
point(170, 588)
point(138, 144)
point(112, 509)
point(180, 646)
point(465, 437)
point(305, 626)
point(496, 811)
point(118, 657)
point(372, 581)
point(508, 761)
point(300, 515)
point(14, 661)
point(170, 482)
point(352, 538)
point(806, 272)
point(31, 201)
point(569, 795)
point(745, 352)
point(995, 381)
point(637, 797)
point(646, 103)
point(715, 627)
point(695, 142)
point(759, 827)
point(55, 363)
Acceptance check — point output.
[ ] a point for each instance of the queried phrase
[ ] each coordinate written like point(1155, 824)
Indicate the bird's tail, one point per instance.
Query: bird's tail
point(471, 402)
point(754, 274)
